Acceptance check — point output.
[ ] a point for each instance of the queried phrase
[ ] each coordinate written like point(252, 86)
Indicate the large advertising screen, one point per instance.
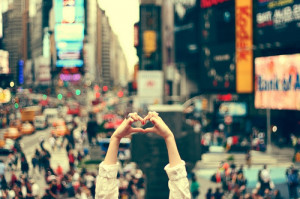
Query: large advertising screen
point(69, 11)
point(69, 32)
point(277, 21)
point(277, 82)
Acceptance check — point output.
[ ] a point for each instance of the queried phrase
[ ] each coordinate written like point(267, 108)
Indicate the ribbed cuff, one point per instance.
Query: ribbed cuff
point(108, 171)
point(177, 172)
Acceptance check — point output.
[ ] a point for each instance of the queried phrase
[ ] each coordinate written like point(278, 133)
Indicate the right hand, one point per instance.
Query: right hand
point(160, 128)
point(126, 129)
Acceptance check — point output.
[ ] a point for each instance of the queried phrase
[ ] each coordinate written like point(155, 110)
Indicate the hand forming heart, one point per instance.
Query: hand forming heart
point(159, 128)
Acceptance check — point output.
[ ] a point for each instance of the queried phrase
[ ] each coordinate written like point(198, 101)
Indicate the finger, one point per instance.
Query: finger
point(137, 130)
point(130, 120)
point(150, 115)
point(141, 119)
point(147, 117)
point(149, 130)
point(153, 120)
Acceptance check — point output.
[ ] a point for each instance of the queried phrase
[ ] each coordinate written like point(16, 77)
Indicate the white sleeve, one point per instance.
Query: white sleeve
point(178, 182)
point(106, 182)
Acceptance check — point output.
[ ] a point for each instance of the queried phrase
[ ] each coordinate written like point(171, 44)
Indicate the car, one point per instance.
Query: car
point(12, 133)
point(58, 122)
point(40, 122)
point(6, 146)
point(27, 128)
point(60, 129)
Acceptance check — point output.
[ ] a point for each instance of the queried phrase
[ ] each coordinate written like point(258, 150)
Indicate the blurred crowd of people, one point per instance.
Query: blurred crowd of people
point(234, 184)
point(26, 172)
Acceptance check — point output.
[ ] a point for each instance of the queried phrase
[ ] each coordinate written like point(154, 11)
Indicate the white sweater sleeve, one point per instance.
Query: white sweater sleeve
point(178, 182)
point(106, 182)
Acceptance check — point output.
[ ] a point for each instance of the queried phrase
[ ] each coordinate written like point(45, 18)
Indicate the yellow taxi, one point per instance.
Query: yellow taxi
point(12, 133)
point(60, 128)
point(27, 128)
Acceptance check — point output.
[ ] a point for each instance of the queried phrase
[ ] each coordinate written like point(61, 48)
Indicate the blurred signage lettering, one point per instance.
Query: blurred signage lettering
point(277, 82)
point(70, 77)
point(243, 48)
point(278, 21)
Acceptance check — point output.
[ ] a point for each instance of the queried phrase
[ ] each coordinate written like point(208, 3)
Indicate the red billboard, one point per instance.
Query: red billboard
point(277, 82)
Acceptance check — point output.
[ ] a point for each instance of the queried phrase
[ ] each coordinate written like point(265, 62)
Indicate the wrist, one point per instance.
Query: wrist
point(169, 137)
point(115, 138)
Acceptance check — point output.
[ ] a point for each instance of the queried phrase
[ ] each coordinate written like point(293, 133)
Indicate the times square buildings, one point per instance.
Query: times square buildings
point(241, 57)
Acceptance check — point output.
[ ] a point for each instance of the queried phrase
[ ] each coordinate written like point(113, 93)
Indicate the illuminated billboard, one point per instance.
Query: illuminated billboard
point(4, 62)
point(232, 109)
point(69, 11)
point(277, 82)
point(277, 21)
point(69, 32)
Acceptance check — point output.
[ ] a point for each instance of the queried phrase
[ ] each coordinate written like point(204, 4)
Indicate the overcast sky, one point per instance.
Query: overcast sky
point(122, 16)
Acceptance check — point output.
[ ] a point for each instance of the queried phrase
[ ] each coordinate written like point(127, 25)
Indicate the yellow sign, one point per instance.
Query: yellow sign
point(149, 42)
point(243, 43)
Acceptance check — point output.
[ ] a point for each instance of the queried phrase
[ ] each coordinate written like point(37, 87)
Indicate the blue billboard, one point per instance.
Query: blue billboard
point(69, 32)
point(69, 54)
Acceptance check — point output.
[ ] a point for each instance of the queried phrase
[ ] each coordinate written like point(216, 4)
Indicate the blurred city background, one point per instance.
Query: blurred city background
point(223, 74)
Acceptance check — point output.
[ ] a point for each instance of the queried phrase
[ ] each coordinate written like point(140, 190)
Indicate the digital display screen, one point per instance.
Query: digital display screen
point(232, 109)
point(69, 32)
point(69, 11)
point(277, 21)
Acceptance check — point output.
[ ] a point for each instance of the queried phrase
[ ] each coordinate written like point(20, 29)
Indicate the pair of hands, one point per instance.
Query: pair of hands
point(159, 126)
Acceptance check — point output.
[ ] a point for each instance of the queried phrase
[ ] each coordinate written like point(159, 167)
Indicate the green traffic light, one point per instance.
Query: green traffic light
point(16, 105)
point(59, 96)
point(78, 92)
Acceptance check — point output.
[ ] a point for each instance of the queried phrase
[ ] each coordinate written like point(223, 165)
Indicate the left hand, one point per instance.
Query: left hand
point(126, 129)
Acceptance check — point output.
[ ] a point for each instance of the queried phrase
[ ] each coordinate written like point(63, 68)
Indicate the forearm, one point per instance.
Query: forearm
point(112, 152)
point(174, 157)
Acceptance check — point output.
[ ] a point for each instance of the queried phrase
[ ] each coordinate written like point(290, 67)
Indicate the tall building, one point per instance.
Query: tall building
point(13, 36)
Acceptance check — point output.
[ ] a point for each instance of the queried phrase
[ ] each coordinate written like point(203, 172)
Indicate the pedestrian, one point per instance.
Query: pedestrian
point(92, 128)
point(218, 193)
point(248, 158)
point(293, 183)
point(277, 194)
point(35, 188)
point(132, 188)
point(34, 162)
point(209, 194)
point(71, 158)
point(195, 187)
point(107, 186)
point(24, 165)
